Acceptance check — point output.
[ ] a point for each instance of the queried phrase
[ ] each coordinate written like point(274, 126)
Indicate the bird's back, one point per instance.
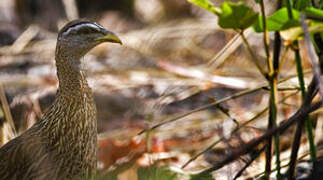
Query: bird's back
point(62, 145)
point(26, 157)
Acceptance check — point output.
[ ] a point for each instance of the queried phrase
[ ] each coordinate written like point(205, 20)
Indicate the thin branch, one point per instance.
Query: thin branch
point(6, 110)
point(313, 57)
point(299, 127)
point(313, 17)
point(255, 155)
point(70, 9)
point(172, 119)
point(241, 93)
point(303, 111)
point(254, 58)
point(234, 131)
point(272, 80)
point(227, 50)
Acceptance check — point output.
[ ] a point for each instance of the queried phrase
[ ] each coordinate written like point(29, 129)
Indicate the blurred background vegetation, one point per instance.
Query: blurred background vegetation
point(175, 59)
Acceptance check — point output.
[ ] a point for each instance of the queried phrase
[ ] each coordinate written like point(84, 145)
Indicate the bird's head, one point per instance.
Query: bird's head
point(77, 37)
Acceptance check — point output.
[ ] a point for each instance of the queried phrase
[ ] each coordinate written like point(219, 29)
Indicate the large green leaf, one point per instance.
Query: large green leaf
point(278, 21)
point(314, 12)
point(236, 16)
point(231, 15)
point(205, 4)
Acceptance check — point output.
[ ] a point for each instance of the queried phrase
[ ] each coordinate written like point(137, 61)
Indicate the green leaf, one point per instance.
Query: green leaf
point(302, 4)
point(313, 12)
point(205, 4)
point(236, 16)
point(156, 173)
point(278, 21)
point(290, 24)
point(203, 176)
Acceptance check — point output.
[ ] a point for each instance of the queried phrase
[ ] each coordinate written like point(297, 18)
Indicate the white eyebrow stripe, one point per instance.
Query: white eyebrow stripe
point(98, 25)
point(77, 27)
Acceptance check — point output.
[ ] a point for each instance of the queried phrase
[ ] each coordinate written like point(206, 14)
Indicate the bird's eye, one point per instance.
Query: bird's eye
point(83, 31)
point(86, 30)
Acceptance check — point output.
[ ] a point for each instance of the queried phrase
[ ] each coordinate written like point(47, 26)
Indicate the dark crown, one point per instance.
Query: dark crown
point(81, 27)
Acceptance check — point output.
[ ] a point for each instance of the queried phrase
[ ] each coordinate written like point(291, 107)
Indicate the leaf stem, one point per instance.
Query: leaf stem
point(272, 80)
point(300, 124)
point(253, 55)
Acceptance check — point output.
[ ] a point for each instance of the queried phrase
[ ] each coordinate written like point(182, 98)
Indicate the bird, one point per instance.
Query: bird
point(63, 143)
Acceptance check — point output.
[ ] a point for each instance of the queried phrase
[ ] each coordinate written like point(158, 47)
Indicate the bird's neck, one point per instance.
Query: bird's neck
point(71, 122)
point(72, 80)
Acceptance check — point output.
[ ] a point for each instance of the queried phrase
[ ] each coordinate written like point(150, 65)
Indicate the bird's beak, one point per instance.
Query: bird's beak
point(109, 37)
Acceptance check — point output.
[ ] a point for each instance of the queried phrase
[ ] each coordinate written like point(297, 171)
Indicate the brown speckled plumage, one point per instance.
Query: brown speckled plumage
point(63, 144)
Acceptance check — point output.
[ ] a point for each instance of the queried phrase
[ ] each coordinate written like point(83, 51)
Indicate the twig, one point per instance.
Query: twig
point(6, 110)
point(233, 131)
point(316, 18)
point(226, 112)
point(298, 132)
point(303, 111)
point(70, 9)
point(227, 50)
point(241, 93)
point(172, 119)
point(21, 42)
point(272, 80)
point(286, 165)
point(255, 155)
point(254, 58)
point(313, 57)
